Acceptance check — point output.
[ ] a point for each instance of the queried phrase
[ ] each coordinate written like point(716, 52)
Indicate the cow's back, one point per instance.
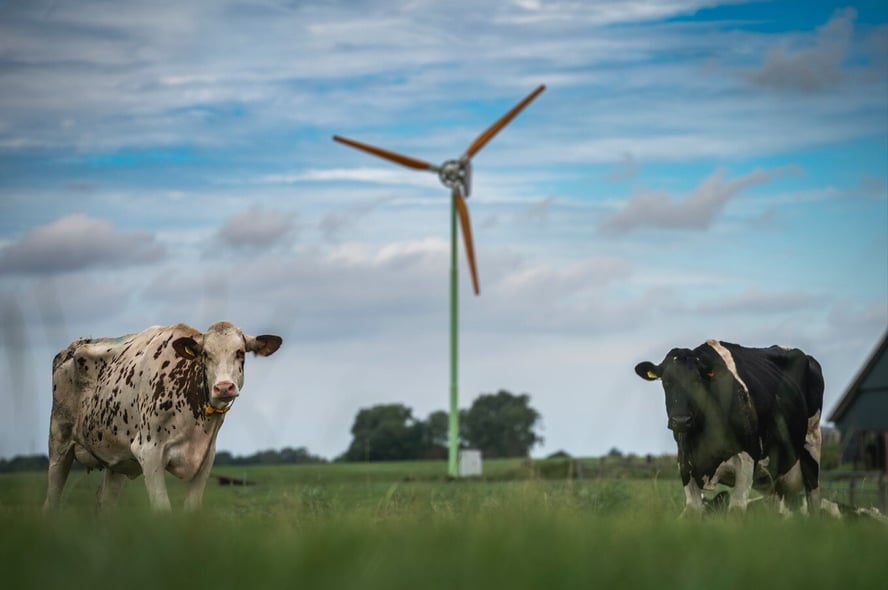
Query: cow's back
point(787, 374)
point(76, 369)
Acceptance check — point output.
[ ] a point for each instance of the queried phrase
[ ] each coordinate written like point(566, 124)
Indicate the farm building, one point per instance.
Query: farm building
point(861, 414)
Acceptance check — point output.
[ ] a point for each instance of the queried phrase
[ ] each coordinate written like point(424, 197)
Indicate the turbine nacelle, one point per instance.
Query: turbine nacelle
point(457, 175)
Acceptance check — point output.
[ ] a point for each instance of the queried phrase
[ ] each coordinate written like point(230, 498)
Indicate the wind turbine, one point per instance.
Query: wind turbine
point(457, 176)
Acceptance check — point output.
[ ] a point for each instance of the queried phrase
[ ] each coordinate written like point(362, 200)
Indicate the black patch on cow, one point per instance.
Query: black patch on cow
point(158, 386)
point(163, 346)
point(130, 375)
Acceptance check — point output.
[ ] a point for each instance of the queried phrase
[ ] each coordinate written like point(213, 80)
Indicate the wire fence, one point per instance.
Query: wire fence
point(860, 489)
point(865, 489)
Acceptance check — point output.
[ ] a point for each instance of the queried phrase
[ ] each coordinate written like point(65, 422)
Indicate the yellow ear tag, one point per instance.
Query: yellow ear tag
point(652, 375)
point(189, 352)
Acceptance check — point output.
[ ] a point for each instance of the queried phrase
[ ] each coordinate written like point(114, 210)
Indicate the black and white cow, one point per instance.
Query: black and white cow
point(745, 417)
point(146, 403)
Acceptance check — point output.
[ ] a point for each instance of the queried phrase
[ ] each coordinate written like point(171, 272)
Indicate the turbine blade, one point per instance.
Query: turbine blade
point(466, 225)
point(391, 156)
point(495, 128)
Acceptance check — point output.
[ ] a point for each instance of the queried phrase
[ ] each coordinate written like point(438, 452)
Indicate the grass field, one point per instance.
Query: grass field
point(401, 525)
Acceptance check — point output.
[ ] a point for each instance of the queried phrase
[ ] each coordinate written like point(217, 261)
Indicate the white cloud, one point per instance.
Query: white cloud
point(597, 13)
point(762, 303)
point(697, 211)
point(537, 212)
point(335, 223)
point(388, 175)
point(814, 68)
point(77, 242)
point(256, 228)
point(627, 170)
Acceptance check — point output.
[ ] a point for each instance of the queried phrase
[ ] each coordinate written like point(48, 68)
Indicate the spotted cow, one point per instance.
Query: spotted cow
point(146, 403)
point(744, 417)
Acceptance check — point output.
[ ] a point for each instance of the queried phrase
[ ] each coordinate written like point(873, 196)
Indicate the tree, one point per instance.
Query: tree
point(436, 431)
point(385, 432)
point(501, 425)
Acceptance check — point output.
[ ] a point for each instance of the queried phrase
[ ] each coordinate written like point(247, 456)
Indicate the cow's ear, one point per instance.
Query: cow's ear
point(648, 371)
point(187, 347)
point(264, 345)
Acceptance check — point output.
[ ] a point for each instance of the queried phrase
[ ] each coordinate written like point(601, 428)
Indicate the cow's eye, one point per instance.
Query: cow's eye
point(240, 355)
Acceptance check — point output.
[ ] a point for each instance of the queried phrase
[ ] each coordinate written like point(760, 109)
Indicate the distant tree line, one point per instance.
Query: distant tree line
point(286, 456)
point(499, 424)
point(24, 463)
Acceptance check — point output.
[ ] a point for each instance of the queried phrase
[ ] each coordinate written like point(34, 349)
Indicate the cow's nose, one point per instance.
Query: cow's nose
point(225, 390)
point(679, 423)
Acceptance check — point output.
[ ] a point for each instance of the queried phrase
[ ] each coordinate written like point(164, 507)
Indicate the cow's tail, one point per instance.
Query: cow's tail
point(814, 387)
point(810, 457)
point(66, 354)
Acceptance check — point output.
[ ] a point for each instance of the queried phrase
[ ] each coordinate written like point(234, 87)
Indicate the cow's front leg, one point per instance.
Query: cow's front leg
point(154, 469)
point(744, 466)
point(693, 500)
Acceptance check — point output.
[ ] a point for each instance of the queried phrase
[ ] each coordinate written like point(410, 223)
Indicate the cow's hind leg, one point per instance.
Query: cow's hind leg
point(810, 464)
point(194, 490)
point(109, 491)
point(61, 455)
point(59, 467)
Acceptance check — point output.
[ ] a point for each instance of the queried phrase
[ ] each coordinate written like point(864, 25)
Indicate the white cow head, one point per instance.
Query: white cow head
point(222, 350)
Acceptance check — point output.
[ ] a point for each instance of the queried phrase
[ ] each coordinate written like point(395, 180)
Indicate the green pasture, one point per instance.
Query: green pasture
point(403, 525)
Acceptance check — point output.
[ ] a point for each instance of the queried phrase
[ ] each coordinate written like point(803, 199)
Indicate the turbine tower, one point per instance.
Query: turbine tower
point(457, 176)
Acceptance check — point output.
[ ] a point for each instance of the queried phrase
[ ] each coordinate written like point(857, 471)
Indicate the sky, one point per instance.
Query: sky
point(693, 170)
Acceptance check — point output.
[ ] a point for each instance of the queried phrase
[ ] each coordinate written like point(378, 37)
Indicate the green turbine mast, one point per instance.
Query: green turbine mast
point(457, 176)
